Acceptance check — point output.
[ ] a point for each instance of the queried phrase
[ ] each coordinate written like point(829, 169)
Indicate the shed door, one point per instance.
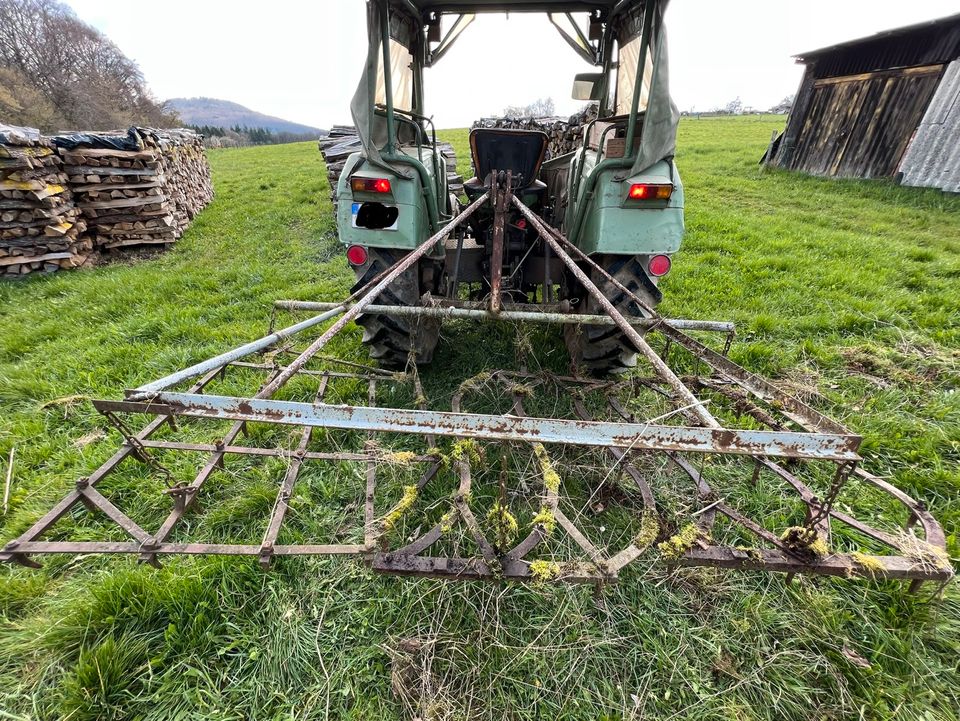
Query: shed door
point(860, 125)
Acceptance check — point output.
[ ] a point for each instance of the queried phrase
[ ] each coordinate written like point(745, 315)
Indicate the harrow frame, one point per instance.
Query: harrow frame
point(792, 432)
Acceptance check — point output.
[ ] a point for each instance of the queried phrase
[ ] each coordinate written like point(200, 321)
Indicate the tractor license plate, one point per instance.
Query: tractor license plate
point(355, 209)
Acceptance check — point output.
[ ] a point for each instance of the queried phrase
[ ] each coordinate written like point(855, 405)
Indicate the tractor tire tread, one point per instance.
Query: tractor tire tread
point(389, 338)
point(605, 350)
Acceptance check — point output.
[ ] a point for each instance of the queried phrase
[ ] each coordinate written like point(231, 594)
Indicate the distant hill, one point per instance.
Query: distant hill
point(225, 114)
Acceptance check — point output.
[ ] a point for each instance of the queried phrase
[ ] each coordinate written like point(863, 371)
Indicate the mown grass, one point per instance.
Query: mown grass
point(846, 289)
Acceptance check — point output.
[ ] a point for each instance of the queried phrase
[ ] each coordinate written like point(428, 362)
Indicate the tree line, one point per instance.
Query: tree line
point(57, 72)
point(220, 137)
point(738, 107)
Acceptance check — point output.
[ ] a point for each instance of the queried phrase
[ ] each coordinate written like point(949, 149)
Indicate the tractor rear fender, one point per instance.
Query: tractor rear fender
point(616, 223)
point(381, 218)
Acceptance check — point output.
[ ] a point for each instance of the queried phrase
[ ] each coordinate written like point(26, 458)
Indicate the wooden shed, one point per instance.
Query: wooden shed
point(860, 102)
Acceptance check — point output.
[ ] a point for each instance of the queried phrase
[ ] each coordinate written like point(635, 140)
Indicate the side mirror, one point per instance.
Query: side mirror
point(587, 86)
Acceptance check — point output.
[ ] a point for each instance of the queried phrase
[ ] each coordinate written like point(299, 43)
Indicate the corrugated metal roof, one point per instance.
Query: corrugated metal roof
point(896, 33)
point(933, 158)
point(931, 43)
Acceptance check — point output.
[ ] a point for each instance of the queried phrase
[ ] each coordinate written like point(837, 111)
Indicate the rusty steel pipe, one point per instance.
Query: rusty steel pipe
point(501, 196)
point(454, 313)
point(232, 356)
point(217, 362)
point(687, 398)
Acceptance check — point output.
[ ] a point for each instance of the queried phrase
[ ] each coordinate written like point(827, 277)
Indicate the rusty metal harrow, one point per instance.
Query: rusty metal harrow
point(524, 475)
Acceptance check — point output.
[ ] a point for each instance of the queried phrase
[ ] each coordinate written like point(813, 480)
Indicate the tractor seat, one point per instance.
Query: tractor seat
point(519, 151)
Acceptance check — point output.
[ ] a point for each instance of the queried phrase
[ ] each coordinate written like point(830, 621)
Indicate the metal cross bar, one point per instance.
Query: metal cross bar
point(243, 351)
point(492, 427)
point(443, 312)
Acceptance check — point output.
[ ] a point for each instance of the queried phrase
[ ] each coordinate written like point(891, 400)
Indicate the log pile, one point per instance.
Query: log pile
point(454, 179)
point(62, 198)
point(183, 162)
point(336, 148)
point(565, 134)
point(344, 141)
point(40, 226)
point(139, 187)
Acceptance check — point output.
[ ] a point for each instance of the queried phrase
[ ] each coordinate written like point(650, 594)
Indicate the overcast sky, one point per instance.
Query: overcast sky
point(300, 60)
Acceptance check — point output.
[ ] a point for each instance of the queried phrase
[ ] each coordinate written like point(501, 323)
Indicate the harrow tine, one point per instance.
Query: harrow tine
point(73, 497)
point(286, 488)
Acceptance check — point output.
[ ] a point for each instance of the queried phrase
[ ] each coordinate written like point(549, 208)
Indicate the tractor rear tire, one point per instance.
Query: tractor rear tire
point(389, 339)
point(603, 350)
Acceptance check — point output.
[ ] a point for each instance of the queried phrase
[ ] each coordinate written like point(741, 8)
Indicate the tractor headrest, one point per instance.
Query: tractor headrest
point(520, 151)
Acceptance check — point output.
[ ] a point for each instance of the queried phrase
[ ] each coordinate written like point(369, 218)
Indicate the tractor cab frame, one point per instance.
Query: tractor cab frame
point(618, 197)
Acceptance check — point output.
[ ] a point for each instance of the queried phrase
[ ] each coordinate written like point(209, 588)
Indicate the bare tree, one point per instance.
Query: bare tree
point(23, 104)
point(85, 77)
point(539, 108)
point(734, 107)
point(784, 106)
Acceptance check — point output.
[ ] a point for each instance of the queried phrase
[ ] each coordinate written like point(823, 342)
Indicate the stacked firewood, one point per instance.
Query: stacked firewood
point(454, 179)
point(138, 187)
point(120, 192)
point(186, 172)
point(343, 141)
point(40, 227)
point(336, 148)
point(565, 134)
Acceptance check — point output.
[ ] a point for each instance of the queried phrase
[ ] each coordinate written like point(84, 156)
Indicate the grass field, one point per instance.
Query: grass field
point(850, 289)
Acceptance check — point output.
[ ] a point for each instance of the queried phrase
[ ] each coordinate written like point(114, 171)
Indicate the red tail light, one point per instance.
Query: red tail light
point(370, 185)
point(650, 191)
point(356, 255)
point(659, 265)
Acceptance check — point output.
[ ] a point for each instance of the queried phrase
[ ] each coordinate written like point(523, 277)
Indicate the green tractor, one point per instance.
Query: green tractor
point(618, 198)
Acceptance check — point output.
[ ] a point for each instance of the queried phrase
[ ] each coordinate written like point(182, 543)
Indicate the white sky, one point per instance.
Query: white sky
point(300, 60)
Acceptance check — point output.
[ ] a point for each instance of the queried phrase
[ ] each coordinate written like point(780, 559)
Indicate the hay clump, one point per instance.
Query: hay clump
point(869, 563)
point(803, 540)
point(551, 479)
point(681, 542)
point(923, 554)
point(544, 571)
point(546, 519)
point(466, 449)
point(504, 524)
point(405, 504)
point(400, 458)
point(649, 529)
